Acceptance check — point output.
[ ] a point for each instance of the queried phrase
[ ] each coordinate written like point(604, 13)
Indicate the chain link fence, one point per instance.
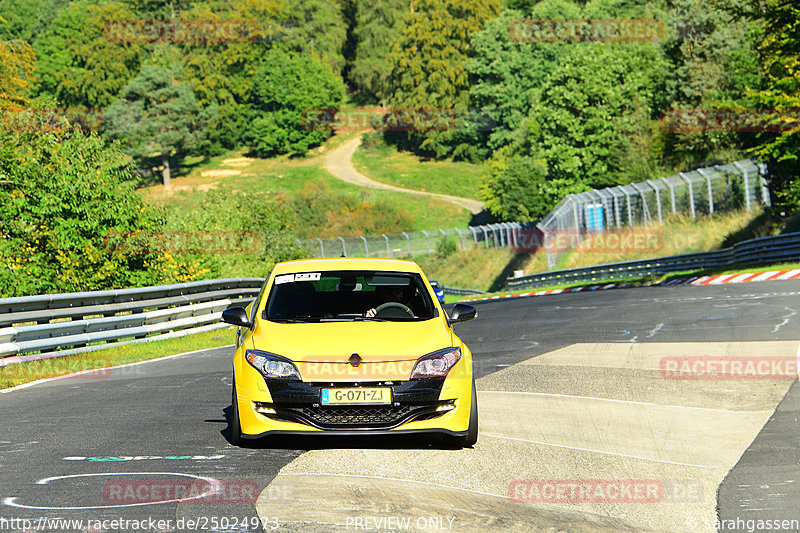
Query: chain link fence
point(414, 243)
point(699, 192)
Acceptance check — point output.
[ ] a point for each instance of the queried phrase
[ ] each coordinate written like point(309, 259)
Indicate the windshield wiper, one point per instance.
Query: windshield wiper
point(294, 320)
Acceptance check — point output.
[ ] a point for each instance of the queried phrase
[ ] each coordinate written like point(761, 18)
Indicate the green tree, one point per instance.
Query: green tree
point(518, 188)
point(779, 62)
point(222, 73)
point(377, 26)
point(288, 89)
point(157, 115)
point(78, 64)
point(317, 28)
point(429, 67)
point(63, 197)
point(17, 64)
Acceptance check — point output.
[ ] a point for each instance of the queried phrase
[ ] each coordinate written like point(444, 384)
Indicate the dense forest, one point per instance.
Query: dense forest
point(100, 96)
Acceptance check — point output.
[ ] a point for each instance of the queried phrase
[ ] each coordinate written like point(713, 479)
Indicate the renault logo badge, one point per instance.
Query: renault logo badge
point(354, 360)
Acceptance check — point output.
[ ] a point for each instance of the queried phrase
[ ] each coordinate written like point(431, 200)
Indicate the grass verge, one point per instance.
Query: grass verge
point(385, 164)
point(17, 374)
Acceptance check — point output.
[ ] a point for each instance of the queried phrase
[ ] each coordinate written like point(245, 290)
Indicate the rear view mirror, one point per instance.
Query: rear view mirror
point(236, 316)
point(462, 313)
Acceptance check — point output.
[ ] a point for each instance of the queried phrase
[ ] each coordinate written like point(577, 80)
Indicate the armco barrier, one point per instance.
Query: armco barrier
point(45, 325)
point(778, 249)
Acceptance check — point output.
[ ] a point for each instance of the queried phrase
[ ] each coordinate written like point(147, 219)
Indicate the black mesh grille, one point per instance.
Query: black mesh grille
point(370, 416)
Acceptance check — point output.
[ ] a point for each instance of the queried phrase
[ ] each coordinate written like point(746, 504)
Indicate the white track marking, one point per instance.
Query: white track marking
point(604, 453)
point(551, 395)
point(75, 374)
point(11, 502)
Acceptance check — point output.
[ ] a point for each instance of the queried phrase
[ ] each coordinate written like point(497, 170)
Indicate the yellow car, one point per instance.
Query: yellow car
point(351, 347)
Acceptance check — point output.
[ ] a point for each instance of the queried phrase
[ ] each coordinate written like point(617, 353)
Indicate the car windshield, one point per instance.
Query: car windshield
point(348, 295)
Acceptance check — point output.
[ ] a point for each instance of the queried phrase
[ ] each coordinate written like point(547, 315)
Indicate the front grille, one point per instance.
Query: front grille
point(368, 416)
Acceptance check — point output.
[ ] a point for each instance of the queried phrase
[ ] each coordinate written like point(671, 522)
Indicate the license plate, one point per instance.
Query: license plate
point(357, 396)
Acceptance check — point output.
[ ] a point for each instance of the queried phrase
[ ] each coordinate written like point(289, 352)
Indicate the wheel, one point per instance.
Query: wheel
point(472, 431)
point(395, 310)
point(236, 427)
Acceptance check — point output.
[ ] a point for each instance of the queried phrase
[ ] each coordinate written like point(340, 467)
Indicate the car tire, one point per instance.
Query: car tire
point(472, 431)
point(236, 427)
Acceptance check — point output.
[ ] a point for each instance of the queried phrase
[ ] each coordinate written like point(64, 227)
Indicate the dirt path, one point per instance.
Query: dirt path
point(339, 163)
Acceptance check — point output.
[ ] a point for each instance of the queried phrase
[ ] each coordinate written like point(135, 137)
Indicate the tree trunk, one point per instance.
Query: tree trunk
point(165, 172)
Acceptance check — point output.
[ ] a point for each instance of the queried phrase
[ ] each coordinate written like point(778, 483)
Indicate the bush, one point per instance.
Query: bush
point(63, 200)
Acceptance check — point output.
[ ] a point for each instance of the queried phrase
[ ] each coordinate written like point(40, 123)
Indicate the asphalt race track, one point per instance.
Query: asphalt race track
point(572, 393)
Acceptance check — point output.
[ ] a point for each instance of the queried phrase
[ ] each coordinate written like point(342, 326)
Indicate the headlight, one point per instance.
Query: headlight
point(436, 364)
point(272, 366)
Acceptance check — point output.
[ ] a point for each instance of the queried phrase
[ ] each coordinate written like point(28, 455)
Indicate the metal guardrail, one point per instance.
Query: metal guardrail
point(42, 326)
point(781, 248)
point(461, 292)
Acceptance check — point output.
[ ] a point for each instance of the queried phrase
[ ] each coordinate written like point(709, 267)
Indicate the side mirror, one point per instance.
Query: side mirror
point(236, 316)
point(462, 313)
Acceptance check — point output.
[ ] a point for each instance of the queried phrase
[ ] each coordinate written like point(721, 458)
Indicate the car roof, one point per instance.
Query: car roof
point(346, 263)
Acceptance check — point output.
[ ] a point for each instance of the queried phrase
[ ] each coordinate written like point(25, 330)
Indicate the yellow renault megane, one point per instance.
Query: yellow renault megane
point(351, 346)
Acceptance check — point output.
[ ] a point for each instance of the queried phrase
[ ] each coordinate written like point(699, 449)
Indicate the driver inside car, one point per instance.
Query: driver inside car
point(391, 293)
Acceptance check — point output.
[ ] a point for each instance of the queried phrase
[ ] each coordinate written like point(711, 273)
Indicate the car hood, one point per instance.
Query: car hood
point(323, 351)
point(335, 342)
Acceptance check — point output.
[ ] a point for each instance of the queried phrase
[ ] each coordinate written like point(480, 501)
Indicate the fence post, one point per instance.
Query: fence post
point(628, 201)
point(388, 250)
point(408, 243)
point(344, 247)
point(485, 237)
point(321, 248)
point(710, 191)
point(366, 250)
point(427, 241)
point(658, 199)
point(691, 192)
point(672, 194)
point(460, 239)
point(746, 184)
point(474, 235)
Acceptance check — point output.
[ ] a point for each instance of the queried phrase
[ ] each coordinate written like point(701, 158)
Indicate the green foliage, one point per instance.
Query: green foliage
point(237, 245)
point(377, 27)
point(63, 197)
point(157, 115)
point(517, 188)
point(322, 212)
point(316, 28)
point(779, 61)
point(78, 64)
point(286, 89)
point(446, 247)
point(430, 71)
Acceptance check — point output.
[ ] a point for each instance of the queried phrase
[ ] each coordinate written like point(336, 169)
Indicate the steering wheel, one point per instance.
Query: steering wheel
point(395, 310)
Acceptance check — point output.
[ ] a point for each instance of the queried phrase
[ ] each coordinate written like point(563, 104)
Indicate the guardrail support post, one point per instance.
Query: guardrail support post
point(321, 248)
point(485, 237)
point(427, 241)
point(344, 247)
point(366, 250)
point(460, 239)
point(408, 243)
